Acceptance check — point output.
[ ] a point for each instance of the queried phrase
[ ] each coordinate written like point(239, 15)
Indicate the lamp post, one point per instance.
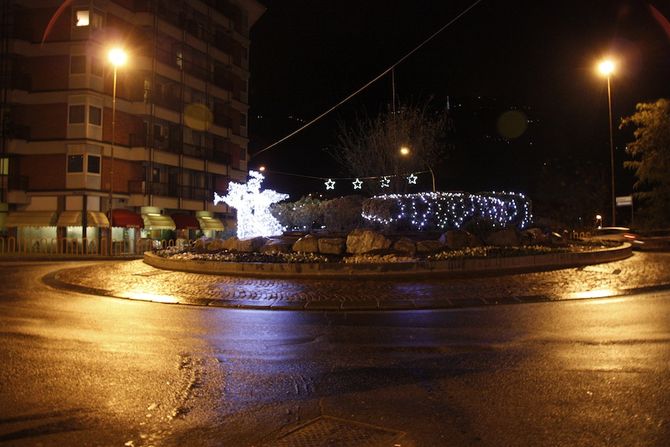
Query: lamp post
point(606, 68)
point(117, 57)
point(404, 151)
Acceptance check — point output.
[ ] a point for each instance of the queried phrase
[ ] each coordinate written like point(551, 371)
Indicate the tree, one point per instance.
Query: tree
point(651, 160)
point(371, 146)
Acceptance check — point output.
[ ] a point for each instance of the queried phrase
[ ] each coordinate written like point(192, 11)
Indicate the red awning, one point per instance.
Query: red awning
point(185, 222)
point(127, 219)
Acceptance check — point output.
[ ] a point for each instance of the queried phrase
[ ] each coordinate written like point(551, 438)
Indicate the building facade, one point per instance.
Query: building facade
point(145, 144)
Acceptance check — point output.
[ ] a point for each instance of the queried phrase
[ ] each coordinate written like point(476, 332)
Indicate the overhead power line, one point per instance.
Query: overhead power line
point(369, 83)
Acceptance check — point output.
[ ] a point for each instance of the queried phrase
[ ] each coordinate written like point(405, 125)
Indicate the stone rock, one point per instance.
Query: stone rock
point(503, 238)
point(216, 245)
point(457, 239)
point(429, 246)
point(274, 246)
point(331, 245)
point(250, 245)
point(405, 245)
point(306, 244)
point(364, 241)
point(230, 244)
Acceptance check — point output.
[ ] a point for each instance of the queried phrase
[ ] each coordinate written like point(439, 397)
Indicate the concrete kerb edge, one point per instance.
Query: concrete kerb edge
point(449, 268)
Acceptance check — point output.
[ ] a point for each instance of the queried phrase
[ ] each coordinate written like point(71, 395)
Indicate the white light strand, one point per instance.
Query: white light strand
point(446, 210)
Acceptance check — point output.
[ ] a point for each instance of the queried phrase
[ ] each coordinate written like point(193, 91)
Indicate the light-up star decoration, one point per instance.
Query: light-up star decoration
point(385, 182)
point(358, 183)
point(330, 184)
point(411, 179)
point(253, 207)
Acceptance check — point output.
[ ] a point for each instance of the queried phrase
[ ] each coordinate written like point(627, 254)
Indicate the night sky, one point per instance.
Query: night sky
point(535, 56)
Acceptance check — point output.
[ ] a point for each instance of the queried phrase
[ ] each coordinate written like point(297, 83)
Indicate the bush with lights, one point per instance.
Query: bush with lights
point(441, 211)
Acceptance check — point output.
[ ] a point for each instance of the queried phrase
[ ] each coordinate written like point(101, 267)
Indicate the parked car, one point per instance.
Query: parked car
point(616, 234)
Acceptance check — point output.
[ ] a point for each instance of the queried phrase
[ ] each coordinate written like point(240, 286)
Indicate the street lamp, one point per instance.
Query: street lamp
point(117, 57)
point(606, 68)
point(404, 151)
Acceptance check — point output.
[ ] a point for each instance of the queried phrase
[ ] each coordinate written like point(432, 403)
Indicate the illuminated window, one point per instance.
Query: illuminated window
point(81, 18)
point(75, 163)
point(93, 164)
point(4, 166)
point(94, 115)
point(78, 64)
point(76, 114)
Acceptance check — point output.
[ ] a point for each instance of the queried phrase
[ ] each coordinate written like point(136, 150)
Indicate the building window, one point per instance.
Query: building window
point(4, 166)
point(81, 17)
point(96, 66)
point(78, 64)
point(75, 163)
point(85, 17)
point(93, 164)
point(94, 115)
point(97, 19)
point(76, 114)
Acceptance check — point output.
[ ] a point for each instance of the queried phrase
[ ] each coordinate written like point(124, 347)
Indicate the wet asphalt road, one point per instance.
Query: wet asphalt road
point(79, 369)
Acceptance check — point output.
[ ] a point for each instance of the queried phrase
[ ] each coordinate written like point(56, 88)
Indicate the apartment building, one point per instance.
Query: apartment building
point(146, 143)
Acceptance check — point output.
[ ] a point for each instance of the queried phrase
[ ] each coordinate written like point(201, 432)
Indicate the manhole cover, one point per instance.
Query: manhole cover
point(327, 431)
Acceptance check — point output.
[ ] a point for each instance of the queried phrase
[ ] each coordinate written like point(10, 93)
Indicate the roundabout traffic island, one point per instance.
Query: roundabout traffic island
point(365, 253)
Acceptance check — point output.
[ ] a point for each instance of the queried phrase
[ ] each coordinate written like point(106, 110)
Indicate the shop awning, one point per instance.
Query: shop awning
point(31, 219)
point(210, 223)
point(73, 219)
point(185, 222)
point(97, 219)
point(158, 222)
point(126, 219)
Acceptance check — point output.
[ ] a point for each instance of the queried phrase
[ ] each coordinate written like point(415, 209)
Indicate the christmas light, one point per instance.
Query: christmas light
point(385, 182)
point(253, 207)
point(444, 210)
point(330, 184)
point(412, 179)
point(358, 184)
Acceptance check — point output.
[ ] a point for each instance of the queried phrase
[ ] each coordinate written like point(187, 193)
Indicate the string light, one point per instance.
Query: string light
point(358, 183)
point(448, 210)
point(385, 182)
point(253, 207)
point(330, 184)
point(411, 179)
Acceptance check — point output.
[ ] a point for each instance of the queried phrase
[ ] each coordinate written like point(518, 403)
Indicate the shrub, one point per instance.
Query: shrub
point(299, 215)
point(343, 214)
point(444, 210)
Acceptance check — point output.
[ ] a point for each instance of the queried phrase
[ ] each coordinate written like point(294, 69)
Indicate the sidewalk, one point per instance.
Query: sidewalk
point(139, 281)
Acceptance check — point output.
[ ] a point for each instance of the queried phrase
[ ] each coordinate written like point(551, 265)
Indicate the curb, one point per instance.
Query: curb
point(445, 269)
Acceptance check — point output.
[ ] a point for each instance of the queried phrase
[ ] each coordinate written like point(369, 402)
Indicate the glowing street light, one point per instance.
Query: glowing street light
point(117, 57)
point(606, 67)
point(405, 151)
